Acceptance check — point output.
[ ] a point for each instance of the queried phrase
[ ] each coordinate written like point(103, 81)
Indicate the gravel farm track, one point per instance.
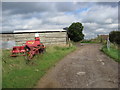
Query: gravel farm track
point(87, 67)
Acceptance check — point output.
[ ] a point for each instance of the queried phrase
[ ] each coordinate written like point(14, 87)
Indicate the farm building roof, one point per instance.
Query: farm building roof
point(105, 37)
point(42, 30)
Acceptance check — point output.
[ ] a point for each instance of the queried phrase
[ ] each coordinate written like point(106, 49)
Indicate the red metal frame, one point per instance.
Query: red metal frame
point(31, 48)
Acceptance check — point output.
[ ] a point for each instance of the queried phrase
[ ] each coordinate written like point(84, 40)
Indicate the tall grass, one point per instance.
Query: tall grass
point(113, 52)
point(18, 74)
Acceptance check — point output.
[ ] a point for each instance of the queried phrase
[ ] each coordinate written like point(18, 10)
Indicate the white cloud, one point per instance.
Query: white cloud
point(100, 30)
point(109, 20)
point(64, 19)
point(97, 18)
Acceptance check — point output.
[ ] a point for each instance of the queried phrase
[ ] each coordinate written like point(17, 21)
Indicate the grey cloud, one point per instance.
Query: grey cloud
point(99, 14)
point(30, 7)
point(112, 4)
point(27, 7)
point(70, 6)
point(65, 7)
point(97, 18)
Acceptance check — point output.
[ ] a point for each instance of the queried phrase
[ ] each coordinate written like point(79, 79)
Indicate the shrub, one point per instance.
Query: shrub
point(114, 37)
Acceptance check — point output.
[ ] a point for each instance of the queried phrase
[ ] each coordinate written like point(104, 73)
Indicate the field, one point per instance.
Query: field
point(18, 74)
point(113, 52)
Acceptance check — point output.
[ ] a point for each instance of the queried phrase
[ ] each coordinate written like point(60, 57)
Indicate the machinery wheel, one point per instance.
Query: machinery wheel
point(29, 56)
point(42, 50)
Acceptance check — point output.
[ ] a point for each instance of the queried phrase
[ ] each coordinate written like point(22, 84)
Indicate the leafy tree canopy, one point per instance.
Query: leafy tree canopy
point(75, 32)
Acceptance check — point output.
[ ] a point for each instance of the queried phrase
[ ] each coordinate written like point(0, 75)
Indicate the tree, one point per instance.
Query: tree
point(114, 37)
point(75, 32)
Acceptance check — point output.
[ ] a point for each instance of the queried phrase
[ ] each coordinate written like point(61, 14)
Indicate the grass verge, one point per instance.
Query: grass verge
point(18, 74)
point(112, 52)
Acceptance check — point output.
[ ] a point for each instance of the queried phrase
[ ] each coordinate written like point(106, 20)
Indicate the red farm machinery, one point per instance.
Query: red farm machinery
point(30, 49)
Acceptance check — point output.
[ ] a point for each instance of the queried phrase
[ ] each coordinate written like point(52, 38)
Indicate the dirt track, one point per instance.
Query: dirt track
point(87, 67)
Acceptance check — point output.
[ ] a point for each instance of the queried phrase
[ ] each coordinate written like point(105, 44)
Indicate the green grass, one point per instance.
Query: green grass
point(113, 52)
point(18, 74)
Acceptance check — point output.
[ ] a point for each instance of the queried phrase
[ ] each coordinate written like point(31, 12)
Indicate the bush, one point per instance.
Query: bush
point(114, 37)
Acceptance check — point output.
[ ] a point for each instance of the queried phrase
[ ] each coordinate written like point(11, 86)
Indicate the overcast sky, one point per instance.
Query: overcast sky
point(97, 18)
